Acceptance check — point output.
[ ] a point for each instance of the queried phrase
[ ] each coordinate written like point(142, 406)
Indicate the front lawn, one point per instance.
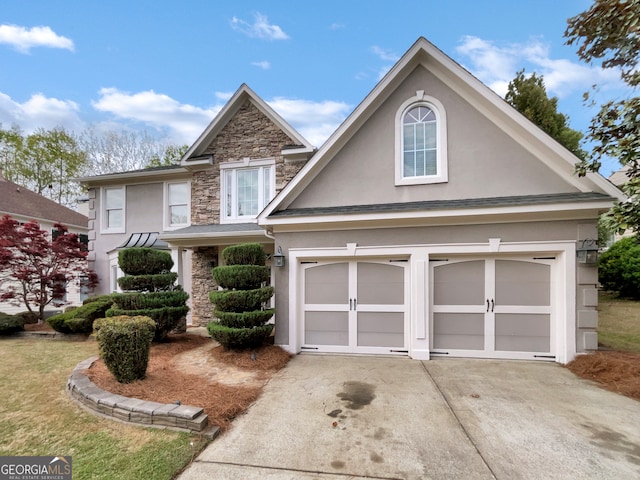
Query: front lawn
point(619, 323)
point(38, 418)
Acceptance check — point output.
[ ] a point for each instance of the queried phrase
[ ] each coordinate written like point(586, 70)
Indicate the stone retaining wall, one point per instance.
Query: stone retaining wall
point(133, 410)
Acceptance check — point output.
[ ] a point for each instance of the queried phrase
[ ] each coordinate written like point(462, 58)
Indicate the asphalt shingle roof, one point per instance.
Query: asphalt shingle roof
point(446, 204)
point(18, 200)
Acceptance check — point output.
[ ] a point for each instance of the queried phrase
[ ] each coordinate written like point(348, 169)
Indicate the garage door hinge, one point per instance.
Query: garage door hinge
point(439, 353)
point(309, 348)
point(304, 263)
point(544, 356)
point(399, 351)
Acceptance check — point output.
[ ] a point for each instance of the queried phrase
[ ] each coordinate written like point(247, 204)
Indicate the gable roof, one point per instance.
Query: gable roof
point(555, 156)
point(16, 200)
point(194, 156)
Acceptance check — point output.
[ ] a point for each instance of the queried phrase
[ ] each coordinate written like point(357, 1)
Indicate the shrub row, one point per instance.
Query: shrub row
point(80, 319)
point(10, 324)
point(124, 344)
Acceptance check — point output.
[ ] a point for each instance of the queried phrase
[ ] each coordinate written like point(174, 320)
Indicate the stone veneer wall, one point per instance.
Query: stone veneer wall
point(249, 134)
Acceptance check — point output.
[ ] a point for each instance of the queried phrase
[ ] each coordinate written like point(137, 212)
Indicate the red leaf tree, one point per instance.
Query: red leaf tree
point(36, 267)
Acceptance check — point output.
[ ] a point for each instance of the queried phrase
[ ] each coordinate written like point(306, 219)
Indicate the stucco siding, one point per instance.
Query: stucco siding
point(483, 161)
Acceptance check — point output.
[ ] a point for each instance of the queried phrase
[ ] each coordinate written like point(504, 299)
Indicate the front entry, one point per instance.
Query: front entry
point(355, 306)
point(492, 307)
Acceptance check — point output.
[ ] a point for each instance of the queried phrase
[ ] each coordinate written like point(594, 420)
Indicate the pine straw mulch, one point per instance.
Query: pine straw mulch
point(615, 371)
point(38, 327)
point(166, 384)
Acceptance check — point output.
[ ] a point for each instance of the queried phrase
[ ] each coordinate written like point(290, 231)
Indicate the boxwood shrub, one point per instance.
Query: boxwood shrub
point(10, 324)
point(241, 277)
point(144, 261)
point(244, 254)
point(239, 338)
point(244, 319)
point(148, 283)
point(80, 320)
point(240, 300)
point(139, 301)
point(124, 344)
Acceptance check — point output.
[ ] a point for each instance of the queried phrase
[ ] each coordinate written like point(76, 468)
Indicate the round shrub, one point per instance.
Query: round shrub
point(241, 277)
point(244, 254)
point(619, 268)
point(124, 344)
point(142, 260)
point(244, 319)
point(240, 300)
point(80, 319)
point(148, 283)
point(239, 338)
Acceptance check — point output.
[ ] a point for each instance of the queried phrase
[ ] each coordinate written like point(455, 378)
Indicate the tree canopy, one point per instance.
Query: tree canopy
point(609, 32)
point(528, 95)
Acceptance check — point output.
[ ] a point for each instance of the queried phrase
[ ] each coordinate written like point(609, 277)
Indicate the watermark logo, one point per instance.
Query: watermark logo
point(35, 468)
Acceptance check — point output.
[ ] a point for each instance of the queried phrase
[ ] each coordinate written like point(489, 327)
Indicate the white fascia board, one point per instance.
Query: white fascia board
point(205, 239)
point(125, 177)
point(446, 217)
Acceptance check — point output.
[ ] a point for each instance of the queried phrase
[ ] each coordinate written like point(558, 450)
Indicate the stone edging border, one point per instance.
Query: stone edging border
point(133, 410)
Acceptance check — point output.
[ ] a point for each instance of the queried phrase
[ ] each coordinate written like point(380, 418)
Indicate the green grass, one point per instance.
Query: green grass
point(619, 323)
point(38, 418)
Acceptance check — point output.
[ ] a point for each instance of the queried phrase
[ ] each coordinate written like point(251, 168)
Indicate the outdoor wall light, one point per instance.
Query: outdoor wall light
point(587, 252)
point(278, 258)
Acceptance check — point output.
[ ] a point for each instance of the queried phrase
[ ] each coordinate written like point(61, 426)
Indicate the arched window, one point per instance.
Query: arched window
point(421, 142)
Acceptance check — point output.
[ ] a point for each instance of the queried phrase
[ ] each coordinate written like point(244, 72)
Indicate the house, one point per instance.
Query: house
point(211, 200)
point(23, 205)
point(436, 221)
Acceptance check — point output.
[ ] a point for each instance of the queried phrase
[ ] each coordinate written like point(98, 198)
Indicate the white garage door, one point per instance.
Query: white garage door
point(354, 306)
point(492, 308)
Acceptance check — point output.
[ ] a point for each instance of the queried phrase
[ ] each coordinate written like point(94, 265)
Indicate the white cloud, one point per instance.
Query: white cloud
point(39, 112)
point(314, 120)
point(182, 123)
point(23, 39)
point(497, 65)
point(385, 54)
point(263, 65)
point(260, 28)
point(224, 96)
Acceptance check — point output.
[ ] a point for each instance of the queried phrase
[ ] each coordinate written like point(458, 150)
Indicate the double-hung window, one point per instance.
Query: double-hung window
point(247, 187)
point(177, 204)
point(113, 210)
point(421, 141)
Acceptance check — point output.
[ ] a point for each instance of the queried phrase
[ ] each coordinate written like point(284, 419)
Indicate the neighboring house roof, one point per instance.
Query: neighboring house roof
point(195, 156)
point(555, 156)
point(19, 201)
point(620, 177)
point(135, 175)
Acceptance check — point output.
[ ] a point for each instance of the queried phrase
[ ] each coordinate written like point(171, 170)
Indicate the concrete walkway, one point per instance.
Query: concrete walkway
point(336, 417)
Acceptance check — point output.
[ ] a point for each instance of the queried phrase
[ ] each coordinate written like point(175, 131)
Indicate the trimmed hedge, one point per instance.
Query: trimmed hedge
point(244, 254)
point(124, 345)
point(80, 320)
point(97, 298)
point(240, 300)
point(10, 324)
point(239, 338)
point(244, 319)
point(139, 301)
point(165, 318)
point(148, 283)
point(241, 277)
point(144, 261)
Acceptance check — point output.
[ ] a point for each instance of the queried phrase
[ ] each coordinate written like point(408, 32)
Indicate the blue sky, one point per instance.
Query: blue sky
point(168, 67)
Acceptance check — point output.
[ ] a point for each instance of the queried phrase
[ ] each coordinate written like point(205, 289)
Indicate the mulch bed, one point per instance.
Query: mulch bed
point(38, 327)
point(615, 371)
point(166, 384)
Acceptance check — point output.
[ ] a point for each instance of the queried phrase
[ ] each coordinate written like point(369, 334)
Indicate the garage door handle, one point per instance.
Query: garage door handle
point(487, 304)
point(492, 304)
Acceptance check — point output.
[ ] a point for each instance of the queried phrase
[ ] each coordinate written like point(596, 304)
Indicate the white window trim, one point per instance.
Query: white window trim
point(245, 163)
point(166, 212)
point(436, 106)
point(103, 210)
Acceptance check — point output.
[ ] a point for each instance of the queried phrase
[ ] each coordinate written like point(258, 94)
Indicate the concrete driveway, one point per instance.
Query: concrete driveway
point(336, 417)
